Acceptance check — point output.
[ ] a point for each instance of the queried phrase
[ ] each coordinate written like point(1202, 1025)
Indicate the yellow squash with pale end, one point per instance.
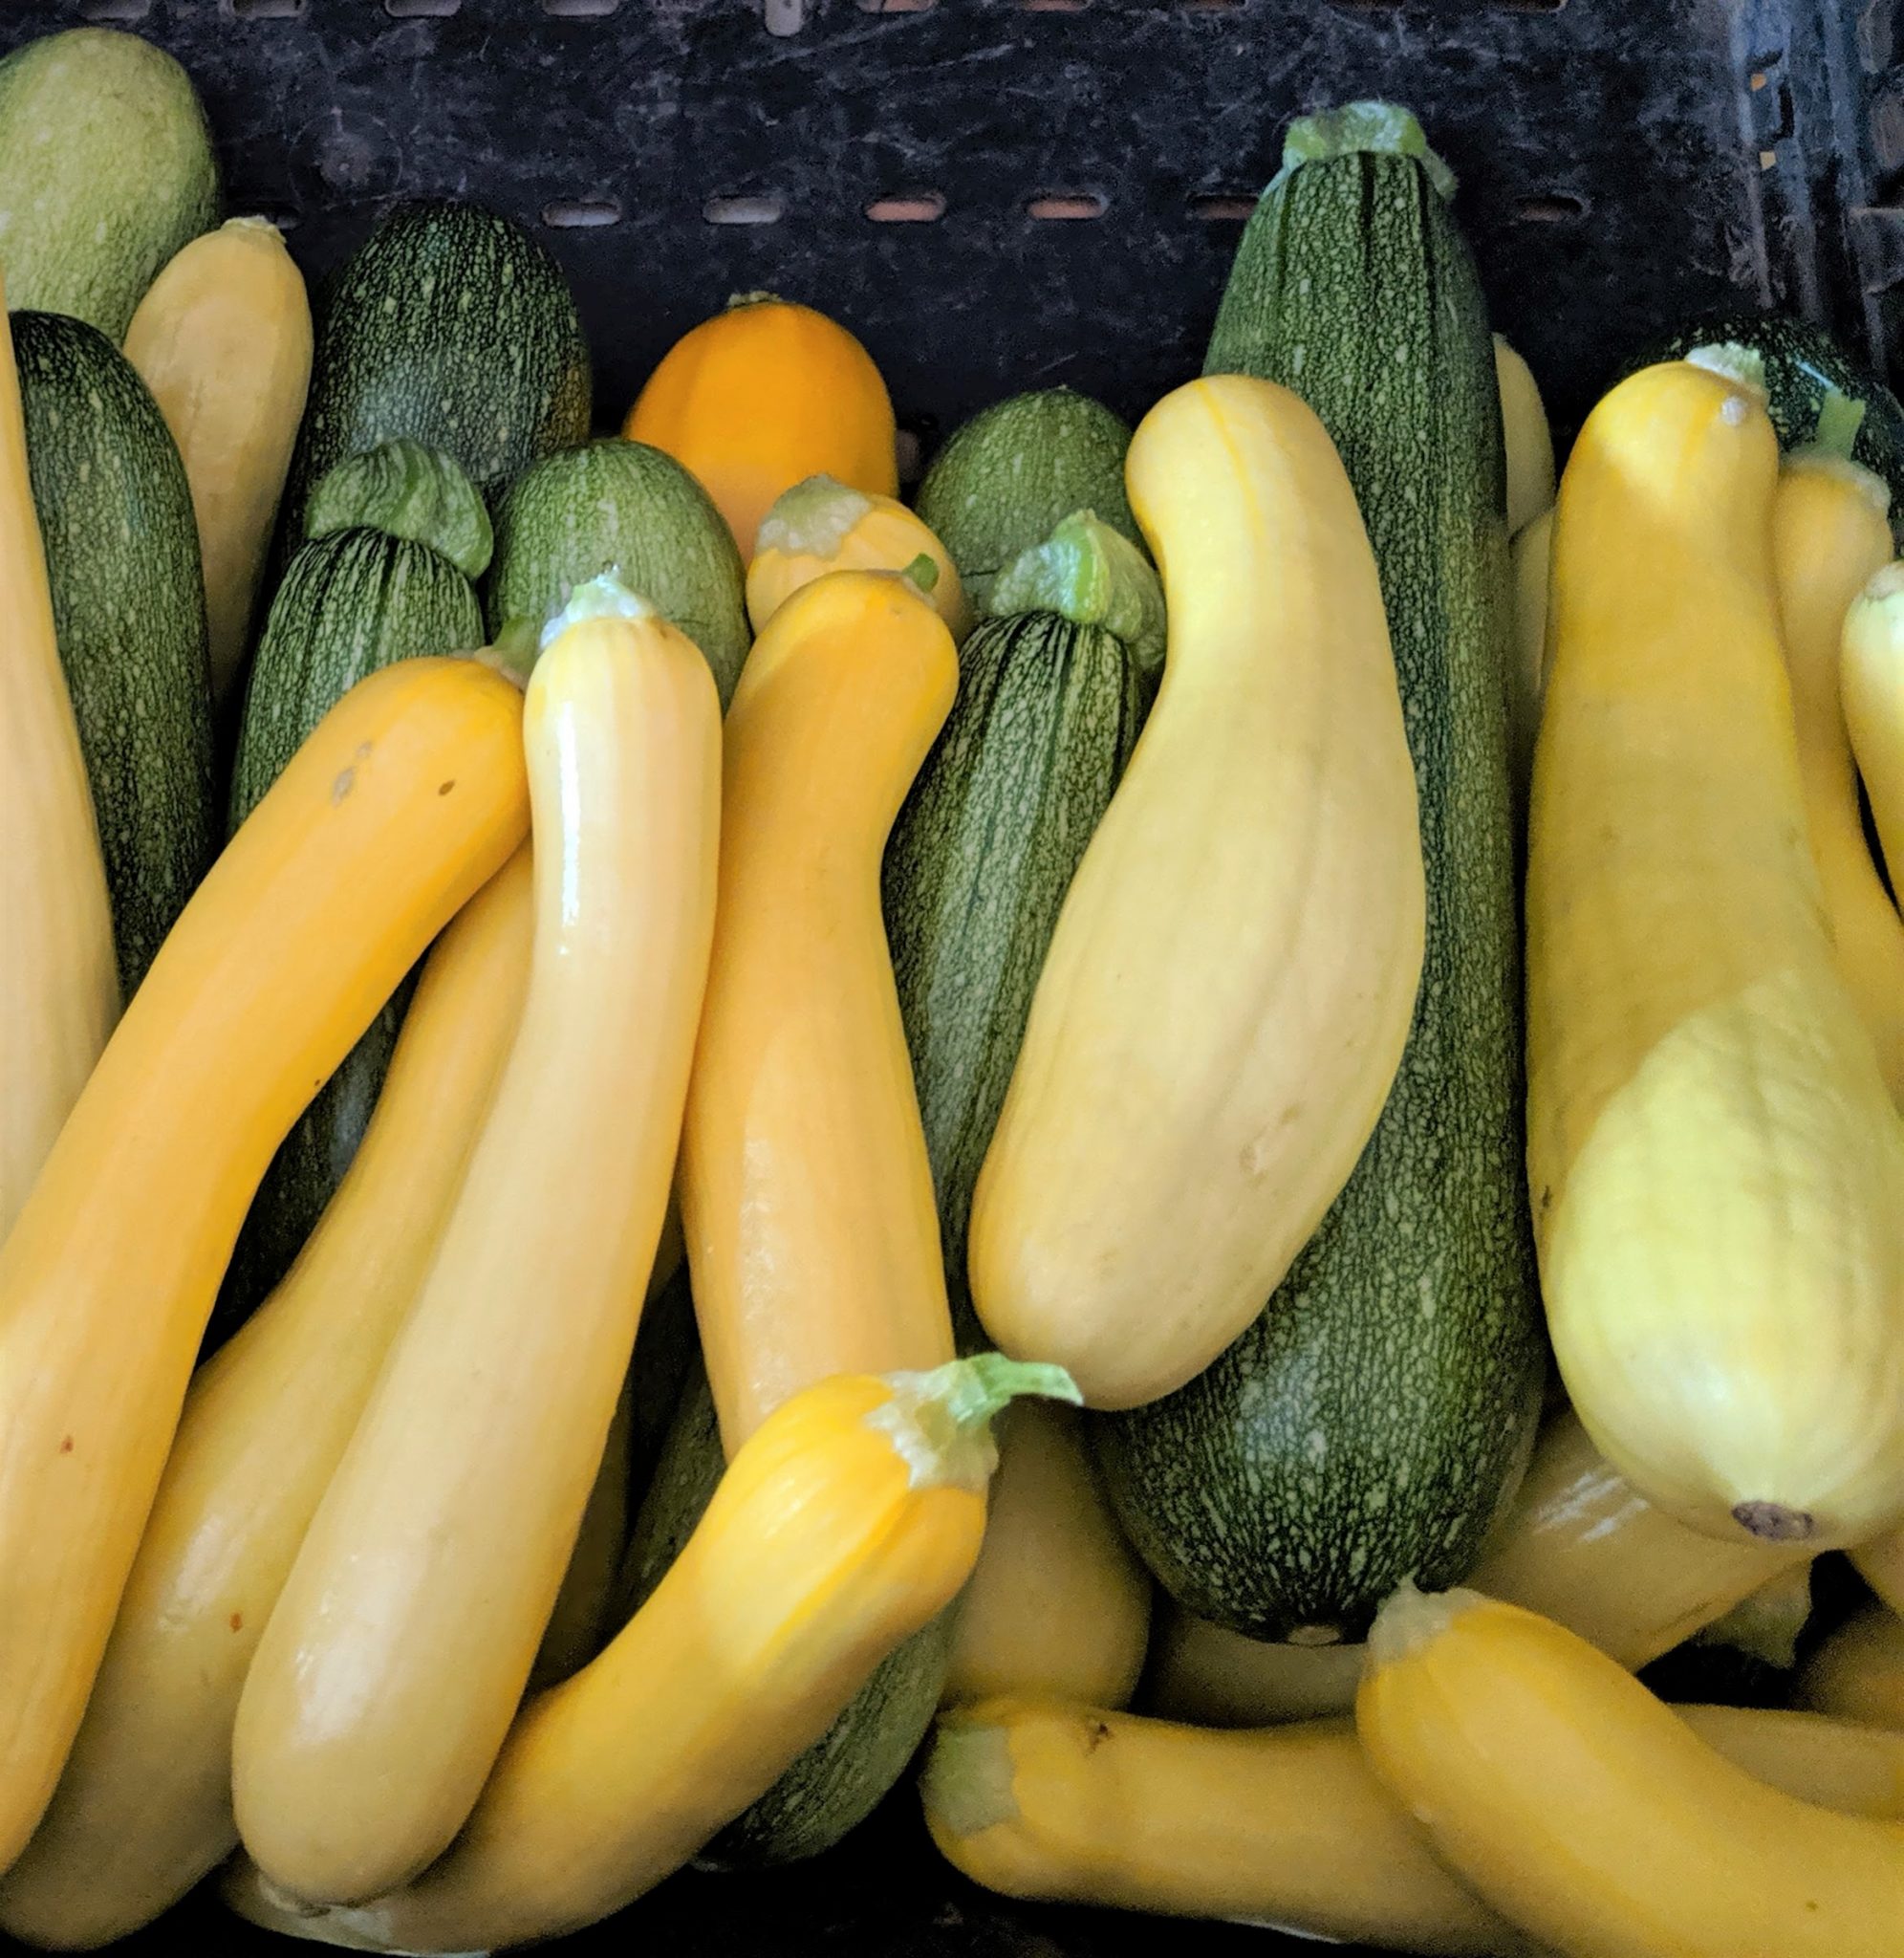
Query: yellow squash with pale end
point(1857, 1673)
point(1870, 679)
point(1581, 1809)
point(144, 1809)
point(399, 1647)
point(1229, 987)
point(1529, 440)
point(806, 1195)
point(1716, 1167)
point(848, 1521)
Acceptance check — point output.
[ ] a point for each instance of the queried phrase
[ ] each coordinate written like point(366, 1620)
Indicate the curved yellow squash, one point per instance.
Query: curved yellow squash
point(1059, 1602)
point(406, 798)
point(58, 983)
point(806, 1196)
point(403, 1640)
point(1870, 676)
point(1582, 1810)
point(144, 1809)
point(1830, 533)
point(1881, 1565)
point(1716, 1167)
point(1858, 1672)
point(1229, 985)
point(847, 1520)
point(1213, 1676)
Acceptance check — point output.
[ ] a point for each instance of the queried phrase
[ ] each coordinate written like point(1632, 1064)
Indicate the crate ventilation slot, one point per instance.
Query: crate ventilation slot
point(1550, 207)
point(782, 16)
point(420, 9)
point(758, 208)
point(581, 213)
point(1222, 206)
point(897, 6)
point(908, 207)
point(580, 10)
point(116, 10)
point(1064, 207)
point(1055, 6)
point(266, 9)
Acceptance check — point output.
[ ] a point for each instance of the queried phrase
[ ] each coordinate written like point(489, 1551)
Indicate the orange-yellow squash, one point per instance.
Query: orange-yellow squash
point(406, 798)
point(762, 396)
point(399, 1647)
point(1857, 1673)
point(806, 1194)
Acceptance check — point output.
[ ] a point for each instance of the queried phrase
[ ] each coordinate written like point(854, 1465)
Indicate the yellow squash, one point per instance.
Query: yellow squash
point(1881, 1565)
point(1833, 1763)
point(1857, 1673)
point(847, 1522)
point(1229, 985)
point(578, 1620)
point(144, 1809)
point(1870, 678)
point(406, 798)
point(806, 1195)
point(1214, 1677)
point(1529, 440)
point(1582, 1810)
point(1533, 553)
point(223, 339)
point(401, 1641)
point(822, 525)
point(58, 983)
point(1059, 1602)
point(1715, 1168)
point(1830, 534)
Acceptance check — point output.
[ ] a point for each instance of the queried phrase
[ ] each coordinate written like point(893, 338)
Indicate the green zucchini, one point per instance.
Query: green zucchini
point(977, 866)
point(838, 1781)
point(622, 507)
point(105, 171)
point(128, 607)
point(1804, 366)
point(350, 604)
point(406, 490)
point(1368, 1426)
point(450, 325)
point(1012, 473)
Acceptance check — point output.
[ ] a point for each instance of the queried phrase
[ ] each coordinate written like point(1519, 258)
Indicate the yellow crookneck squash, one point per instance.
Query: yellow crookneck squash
point(1716, 1167)
point(401, 1641)
point(223, 339)
point(1229, 985)
point(406, 798)
point(1581, 1809)
point(1830, 534)
point(144, 1809)
point(848, 1521)
point(59, 991)
point(806, 1195)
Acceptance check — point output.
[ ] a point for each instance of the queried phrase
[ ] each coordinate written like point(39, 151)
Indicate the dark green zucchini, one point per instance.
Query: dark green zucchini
point(350, 604)
point(838, 1781)
point(450, 325)
point(128, 607)
point(1012, 473)
point(622, 507)
point(1371, 1422)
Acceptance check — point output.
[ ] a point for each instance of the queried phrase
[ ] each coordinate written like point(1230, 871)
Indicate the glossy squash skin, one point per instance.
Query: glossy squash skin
point(407, 798)
point(762, 396)
point(401, 1643)
point(806, 1195)
point(144, 1809)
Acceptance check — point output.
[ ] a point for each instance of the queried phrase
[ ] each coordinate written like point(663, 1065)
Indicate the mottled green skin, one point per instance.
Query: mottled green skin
point(980, 860)
point(844, 1775)
point(626, 508)
point(452, 326)
point(128, 607)
point(106, 170)
point(406, 489)
point(1015, 471)
point(1366, 1428)
point(350, 604)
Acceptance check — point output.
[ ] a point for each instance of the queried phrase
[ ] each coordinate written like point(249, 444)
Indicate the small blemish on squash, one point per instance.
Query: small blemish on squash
point(1099, 1734)
point(446, 788)
point(346, 781)
point(237, 1621)
point(66, 1445)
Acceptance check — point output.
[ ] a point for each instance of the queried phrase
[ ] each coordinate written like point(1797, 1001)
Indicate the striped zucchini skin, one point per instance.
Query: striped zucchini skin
point(350, 602)
point(839, 1781)
point(451, 325)
point(978, 862)
point(128, 604)
point(1369, 1424)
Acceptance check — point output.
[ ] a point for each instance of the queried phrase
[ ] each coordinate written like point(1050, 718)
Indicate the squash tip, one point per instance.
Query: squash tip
point(1412, 1618)
point(966, 1781)
point(1372, 128)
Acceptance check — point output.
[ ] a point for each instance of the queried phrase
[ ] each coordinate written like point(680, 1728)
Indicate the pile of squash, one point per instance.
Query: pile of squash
point(583, 1018)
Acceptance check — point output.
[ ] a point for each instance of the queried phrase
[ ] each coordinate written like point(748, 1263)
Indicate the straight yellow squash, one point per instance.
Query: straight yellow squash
point(401, 1644)
point(1716, 1167)
point(1870, 676)
point(1582, 1810)
point(847, 1522)
point(1211, 1676)
point(1529, 440)
point(223, 339)
point(408, 796)
point(1229, 987)
point(144, 1809)
point(806, 1195)
point(58, 983)
point(1830, 534)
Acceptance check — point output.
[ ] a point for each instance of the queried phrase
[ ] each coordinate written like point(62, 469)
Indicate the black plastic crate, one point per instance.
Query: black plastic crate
point(1000, 194)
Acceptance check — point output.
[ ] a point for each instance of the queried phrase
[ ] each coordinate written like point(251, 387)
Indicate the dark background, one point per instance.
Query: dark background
point(1001, 194)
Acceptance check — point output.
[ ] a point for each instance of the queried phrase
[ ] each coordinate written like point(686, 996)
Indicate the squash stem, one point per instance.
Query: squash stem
point(939, 1421)
point(1742, 365)
point(966, 1781)
point(600, 598)
point(1412, 1618)
point(1091, 574)
point(1363, 129)
point(1840, 417)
